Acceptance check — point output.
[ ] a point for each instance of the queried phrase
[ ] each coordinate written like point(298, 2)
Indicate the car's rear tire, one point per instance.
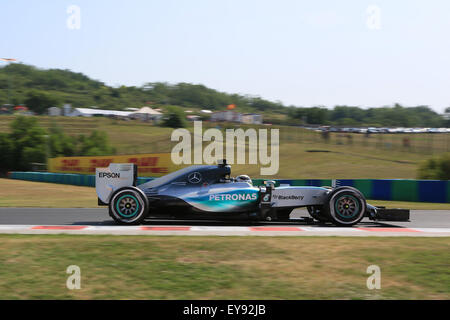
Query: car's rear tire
point(317, 212)
point(128, 206)
point(345, 206)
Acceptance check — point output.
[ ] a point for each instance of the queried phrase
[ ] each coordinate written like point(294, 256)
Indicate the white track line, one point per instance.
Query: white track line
point(223, 230)
point(220, 229)
point(332, 229)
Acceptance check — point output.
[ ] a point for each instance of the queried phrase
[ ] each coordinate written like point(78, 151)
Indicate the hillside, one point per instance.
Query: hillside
point(65, 86)
point(40, 89)
point(303, 153)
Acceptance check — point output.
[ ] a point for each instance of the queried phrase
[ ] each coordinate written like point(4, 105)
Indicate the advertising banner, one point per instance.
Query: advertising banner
point(151, 165)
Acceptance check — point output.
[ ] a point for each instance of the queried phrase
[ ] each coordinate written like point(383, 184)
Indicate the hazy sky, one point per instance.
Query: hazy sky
point(299, 52)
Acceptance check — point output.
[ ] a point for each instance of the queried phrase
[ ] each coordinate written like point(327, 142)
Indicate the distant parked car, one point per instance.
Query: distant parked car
point(6, 108)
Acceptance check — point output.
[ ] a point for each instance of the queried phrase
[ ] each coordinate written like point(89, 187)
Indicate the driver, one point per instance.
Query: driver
point(244, 178)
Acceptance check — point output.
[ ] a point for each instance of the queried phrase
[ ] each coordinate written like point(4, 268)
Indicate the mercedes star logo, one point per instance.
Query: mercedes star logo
point(195, 177)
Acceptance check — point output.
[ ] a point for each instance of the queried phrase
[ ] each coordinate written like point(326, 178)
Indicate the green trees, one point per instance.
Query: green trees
point(40, 89)
point(96, 144)
point(396, 116)
point(315, 115)
point(437, 168)
point(29, 143)
point(6, 148)
point(175, 118)
point(39, 101)
point(62, 145)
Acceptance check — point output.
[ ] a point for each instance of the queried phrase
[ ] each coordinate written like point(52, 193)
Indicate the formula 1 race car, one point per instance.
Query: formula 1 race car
point(208, 191)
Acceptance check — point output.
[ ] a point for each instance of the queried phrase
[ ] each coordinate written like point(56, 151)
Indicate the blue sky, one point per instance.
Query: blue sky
point(303, 53)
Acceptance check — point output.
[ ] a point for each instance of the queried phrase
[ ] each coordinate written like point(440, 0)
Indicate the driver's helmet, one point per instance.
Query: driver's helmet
point(244, 178)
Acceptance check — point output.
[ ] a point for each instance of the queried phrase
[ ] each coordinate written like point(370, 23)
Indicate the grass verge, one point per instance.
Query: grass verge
point(130, 267)
point(19, 193)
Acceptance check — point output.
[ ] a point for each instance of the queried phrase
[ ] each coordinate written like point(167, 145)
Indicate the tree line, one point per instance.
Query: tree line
point(396, 116)
point(28, 143)
point(39, 89)
point(437, 168)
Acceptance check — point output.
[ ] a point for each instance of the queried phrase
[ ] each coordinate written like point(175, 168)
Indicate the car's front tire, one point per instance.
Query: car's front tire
point(128, 205)
point(345, 206)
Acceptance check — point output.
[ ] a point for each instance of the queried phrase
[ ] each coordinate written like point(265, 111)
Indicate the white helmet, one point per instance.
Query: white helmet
point(244, 178)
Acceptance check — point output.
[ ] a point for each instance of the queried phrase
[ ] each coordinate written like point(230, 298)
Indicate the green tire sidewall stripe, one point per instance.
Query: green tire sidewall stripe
point(120, 212)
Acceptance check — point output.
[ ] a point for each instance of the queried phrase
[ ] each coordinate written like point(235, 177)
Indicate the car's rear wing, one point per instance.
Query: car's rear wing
point(116, 176)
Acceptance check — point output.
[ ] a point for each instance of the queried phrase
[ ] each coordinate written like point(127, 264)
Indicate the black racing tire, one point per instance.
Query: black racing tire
point(349, 188)
point(317, 212)
point(345, 206)
point(128, 206)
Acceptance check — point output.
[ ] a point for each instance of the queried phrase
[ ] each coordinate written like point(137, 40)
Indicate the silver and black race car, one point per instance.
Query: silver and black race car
point(209, 191)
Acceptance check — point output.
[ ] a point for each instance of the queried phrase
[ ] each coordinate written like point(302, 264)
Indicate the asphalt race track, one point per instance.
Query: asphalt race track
point(97, 221)
point(99, 216)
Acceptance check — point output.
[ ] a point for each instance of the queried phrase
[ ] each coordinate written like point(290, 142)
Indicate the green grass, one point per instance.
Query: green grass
point(130, 267)
point(18, 193)
point(379, 156)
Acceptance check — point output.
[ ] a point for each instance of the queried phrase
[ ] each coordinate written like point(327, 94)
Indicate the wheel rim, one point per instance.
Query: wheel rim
point(127, 206)
point(347, 206)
